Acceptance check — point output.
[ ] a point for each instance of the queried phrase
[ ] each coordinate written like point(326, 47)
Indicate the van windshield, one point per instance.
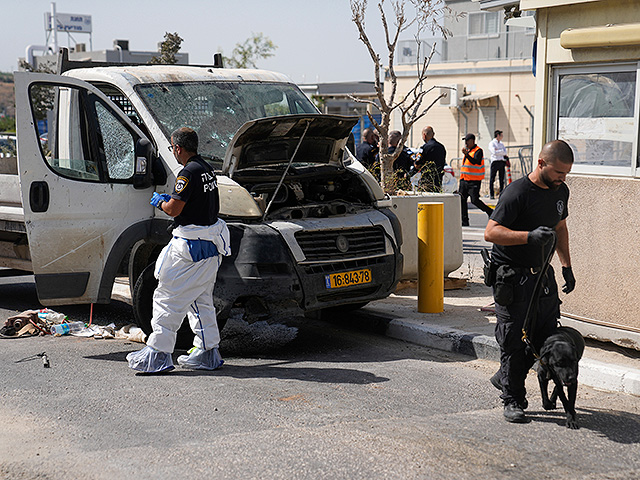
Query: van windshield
point(216, 110)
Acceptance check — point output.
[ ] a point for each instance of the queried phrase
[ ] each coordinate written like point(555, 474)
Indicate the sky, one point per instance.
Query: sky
point(316, 40)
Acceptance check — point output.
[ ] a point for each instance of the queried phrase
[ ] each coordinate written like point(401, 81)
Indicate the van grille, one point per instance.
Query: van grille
point(340, 244)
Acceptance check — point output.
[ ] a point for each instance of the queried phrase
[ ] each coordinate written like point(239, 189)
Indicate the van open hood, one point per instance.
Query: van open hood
point(273, 140)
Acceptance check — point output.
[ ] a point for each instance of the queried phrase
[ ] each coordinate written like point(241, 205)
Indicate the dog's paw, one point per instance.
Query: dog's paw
point(549, 405)
point(572, 423)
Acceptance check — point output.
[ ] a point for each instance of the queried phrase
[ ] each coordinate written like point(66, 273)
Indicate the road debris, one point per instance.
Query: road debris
point(43, 355)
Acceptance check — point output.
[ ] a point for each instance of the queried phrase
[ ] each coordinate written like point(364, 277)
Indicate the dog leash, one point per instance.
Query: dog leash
point(534, 298)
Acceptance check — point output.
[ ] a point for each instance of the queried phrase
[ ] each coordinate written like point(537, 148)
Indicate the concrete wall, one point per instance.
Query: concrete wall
point(604, 233)
point(406, 209)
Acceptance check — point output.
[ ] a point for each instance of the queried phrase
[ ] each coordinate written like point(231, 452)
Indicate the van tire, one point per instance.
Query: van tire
point(143, 308)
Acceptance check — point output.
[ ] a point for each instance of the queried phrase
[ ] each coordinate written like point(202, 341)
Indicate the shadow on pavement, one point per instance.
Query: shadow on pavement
point(619, 427)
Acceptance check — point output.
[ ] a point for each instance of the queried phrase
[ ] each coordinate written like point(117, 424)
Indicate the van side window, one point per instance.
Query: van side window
point(85, 139)
point(118, 144)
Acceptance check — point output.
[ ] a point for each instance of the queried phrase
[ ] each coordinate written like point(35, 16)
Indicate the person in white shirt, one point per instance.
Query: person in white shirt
point(499, 161)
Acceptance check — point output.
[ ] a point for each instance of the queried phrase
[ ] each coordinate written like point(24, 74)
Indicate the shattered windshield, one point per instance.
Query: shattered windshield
point(216, 110)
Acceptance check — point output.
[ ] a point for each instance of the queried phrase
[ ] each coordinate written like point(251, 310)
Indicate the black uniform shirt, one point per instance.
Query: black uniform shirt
point(198, 187)
point(433, 151)
point(366, 154)
point(404, 162)
point(523, 206)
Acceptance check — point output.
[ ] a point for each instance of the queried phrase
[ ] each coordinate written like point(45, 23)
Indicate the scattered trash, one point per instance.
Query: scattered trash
point(25, 324)
point(133, 333)
point(51, 316)
point(128, 332)
point(67, 327)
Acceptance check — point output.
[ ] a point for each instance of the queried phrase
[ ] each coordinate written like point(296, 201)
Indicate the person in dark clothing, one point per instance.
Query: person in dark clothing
point(530, 212)
point(366, 152)
point(404, 163)
point(431, 162)
point(471, 175)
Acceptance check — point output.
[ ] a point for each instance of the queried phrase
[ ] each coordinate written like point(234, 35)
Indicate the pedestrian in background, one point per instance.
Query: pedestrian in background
point(471, 175)
point(403, 164)
point(431, 162)
point(529, 214)
point(187, 267)
point(499, 161)
point(366, 152)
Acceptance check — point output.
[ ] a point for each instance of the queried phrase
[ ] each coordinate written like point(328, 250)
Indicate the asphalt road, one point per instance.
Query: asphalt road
point(337, 400)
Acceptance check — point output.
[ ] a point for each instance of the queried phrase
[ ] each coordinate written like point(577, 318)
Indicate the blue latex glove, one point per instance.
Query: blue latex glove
point(159, 197)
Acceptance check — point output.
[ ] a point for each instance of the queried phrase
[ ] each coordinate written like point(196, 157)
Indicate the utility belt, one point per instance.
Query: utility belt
point(504, 278)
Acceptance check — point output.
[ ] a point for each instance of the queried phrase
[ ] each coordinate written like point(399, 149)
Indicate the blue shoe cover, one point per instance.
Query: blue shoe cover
point(150, 360)
point(201, 359)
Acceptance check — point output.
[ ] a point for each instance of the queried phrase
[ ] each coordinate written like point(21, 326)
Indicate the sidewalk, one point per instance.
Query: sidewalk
point(467, 325)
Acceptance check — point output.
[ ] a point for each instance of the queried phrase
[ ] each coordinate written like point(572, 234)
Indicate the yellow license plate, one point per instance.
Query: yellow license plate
point(346, 279)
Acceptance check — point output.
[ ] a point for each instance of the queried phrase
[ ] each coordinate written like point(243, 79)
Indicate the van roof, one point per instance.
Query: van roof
point(136, 75)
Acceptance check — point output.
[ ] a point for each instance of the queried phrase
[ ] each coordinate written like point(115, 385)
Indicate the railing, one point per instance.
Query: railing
point(516, 44)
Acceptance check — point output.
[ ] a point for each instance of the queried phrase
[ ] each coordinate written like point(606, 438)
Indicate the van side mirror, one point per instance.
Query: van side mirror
point(142, 177)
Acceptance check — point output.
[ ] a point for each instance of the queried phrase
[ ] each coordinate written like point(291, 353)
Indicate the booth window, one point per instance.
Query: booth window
point(595, 112)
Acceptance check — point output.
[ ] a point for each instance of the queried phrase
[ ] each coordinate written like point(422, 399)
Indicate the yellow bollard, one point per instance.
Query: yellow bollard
point(430, 257)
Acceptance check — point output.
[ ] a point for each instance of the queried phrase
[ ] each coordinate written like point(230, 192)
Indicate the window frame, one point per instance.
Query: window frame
point(633, 170)
point(485, 33)
point(90, 136)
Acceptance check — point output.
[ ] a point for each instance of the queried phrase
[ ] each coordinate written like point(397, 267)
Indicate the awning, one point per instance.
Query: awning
point(481, 99)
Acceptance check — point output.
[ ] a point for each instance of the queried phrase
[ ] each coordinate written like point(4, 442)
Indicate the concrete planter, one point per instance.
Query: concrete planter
point(406, 209)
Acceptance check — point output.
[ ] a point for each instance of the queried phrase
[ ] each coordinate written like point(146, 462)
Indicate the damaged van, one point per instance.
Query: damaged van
point(309, 225)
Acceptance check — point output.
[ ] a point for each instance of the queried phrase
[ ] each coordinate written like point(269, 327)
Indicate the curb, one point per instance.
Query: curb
point(447, 339)
point(593, 373)
point(596, 374)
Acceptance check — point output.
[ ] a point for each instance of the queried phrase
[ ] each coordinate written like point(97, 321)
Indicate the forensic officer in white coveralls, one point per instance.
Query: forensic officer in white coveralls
point(187, 267)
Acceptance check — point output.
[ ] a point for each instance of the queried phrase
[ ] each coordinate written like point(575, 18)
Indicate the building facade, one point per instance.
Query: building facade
point(485, 67)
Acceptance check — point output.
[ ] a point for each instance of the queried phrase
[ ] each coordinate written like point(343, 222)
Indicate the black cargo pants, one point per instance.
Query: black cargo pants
point(471, 188)
point(516, 358)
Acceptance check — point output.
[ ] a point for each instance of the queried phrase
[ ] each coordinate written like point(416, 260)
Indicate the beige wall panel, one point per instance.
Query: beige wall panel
point(588, 15)
point(604, 229)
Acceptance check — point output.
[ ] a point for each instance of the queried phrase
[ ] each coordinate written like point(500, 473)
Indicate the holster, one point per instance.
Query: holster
point(504, 285)
point(489, 269)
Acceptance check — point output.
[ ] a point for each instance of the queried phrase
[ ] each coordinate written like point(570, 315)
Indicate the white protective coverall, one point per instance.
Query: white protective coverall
point(186, 286)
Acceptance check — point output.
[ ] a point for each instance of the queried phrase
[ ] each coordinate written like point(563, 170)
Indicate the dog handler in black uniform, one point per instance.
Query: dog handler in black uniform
point(522, 229)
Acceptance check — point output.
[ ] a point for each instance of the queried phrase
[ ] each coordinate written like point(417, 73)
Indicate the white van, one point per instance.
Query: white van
point(308, 223)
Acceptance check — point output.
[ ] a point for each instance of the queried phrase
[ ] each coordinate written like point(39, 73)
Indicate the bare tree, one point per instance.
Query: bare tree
point(426, 16)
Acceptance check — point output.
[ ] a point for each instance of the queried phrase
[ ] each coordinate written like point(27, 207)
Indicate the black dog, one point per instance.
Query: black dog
point(558, 361)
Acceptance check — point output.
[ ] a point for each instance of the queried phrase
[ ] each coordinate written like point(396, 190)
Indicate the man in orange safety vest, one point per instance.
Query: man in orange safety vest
point(471, 175)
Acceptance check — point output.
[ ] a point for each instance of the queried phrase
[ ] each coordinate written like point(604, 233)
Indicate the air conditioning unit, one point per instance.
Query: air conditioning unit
point(453, 94)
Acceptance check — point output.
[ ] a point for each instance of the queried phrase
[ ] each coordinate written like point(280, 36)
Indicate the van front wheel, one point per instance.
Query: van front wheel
point(143, 308)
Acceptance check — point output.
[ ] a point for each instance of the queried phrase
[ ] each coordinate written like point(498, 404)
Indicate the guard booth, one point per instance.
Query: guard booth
point(588, 94)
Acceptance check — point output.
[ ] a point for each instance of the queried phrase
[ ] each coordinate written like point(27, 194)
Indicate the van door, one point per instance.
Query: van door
point(77, 186)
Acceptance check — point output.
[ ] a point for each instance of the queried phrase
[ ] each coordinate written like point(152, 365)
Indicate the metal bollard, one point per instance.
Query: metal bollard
point(430, 257)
